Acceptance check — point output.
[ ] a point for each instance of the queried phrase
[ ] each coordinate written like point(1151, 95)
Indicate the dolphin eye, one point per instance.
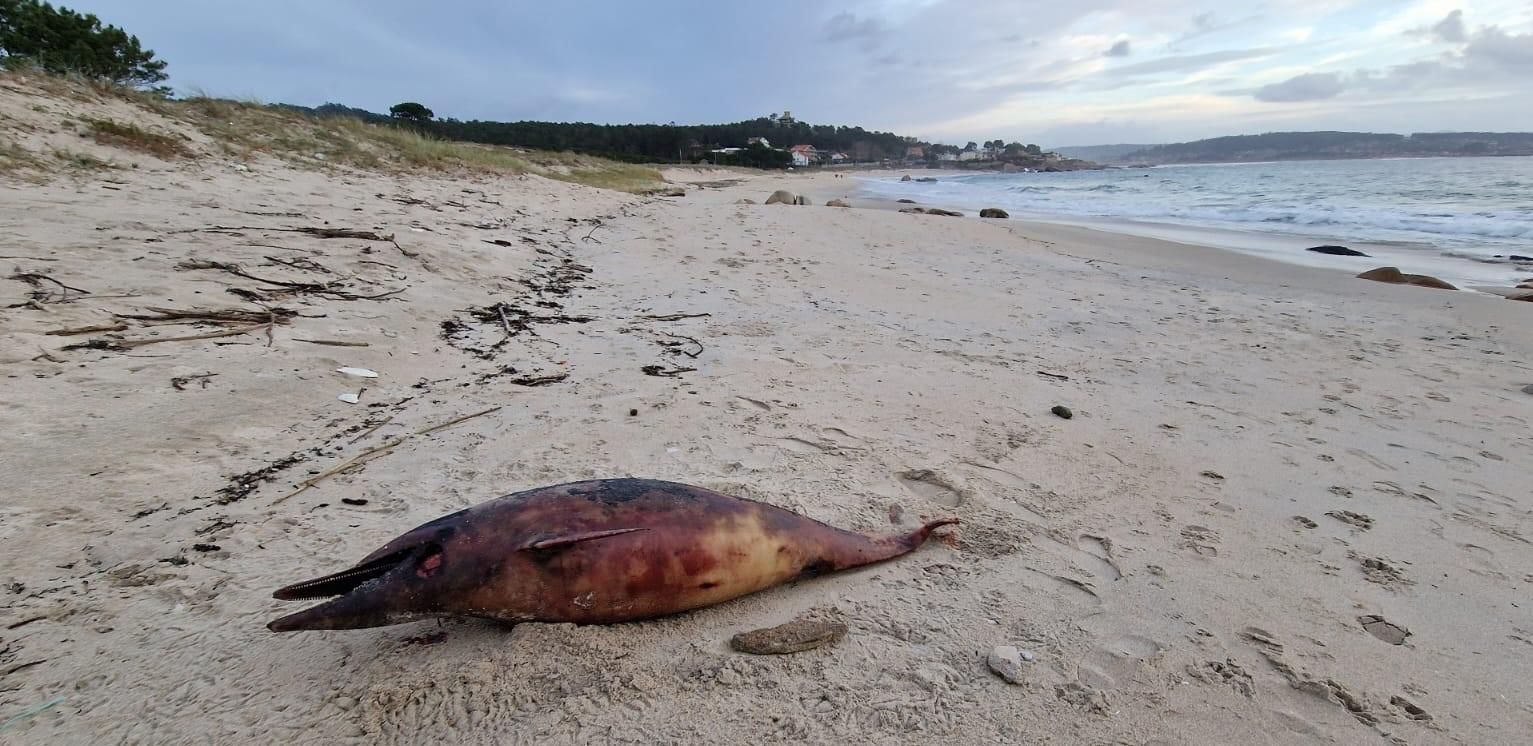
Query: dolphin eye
point(429, 563)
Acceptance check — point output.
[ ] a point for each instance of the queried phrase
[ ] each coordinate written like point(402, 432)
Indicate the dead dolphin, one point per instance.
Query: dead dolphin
point(596, 552)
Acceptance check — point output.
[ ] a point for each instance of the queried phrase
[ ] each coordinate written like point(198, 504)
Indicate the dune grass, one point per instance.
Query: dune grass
point(133, 137)
point(245, 126)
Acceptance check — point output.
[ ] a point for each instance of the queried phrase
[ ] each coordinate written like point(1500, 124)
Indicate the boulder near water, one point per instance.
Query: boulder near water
point(1394, 276)
point(837, 203)
point(785, 197)
point(994, 212)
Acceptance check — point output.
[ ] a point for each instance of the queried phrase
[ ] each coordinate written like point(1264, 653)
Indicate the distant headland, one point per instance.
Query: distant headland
point(1311, 146)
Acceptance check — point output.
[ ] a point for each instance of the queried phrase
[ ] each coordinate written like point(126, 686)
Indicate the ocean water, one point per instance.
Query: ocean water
point(1449, 216)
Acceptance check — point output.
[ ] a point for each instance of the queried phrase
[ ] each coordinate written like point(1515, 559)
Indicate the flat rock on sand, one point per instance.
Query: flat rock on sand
point(794, 637)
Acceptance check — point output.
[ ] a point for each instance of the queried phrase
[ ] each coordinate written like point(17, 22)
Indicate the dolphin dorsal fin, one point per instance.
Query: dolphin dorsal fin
point(559, 542)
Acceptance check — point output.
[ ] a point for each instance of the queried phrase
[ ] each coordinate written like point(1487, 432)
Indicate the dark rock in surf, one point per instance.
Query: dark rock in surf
point(994, 212)
point(906, 201)
point(1335, 251)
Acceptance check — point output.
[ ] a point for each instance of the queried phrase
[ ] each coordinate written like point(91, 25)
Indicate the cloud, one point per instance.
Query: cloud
point(1204, 24)
point(1186, 62)
point(1118, 49)
point(1451, 29)
point(845, 26)
point(1309, 87)
point(1509, 52)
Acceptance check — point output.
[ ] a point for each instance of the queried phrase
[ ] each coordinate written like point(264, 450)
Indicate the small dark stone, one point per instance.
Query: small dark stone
point(206, 547)
point(906, 201)
point(1519, 258)
point(994, 212)
point(1061, 411)
point(1335, 251)
point(633, 413)
point(354, 500)
point(1528, 389)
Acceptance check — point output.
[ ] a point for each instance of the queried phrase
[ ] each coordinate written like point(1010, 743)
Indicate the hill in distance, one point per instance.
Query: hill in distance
point(1305, 146)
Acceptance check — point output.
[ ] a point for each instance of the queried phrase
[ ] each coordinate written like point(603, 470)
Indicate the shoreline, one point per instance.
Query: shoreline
point(1469, 273)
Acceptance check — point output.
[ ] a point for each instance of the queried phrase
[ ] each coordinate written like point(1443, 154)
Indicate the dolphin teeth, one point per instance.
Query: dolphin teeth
point(342, 582)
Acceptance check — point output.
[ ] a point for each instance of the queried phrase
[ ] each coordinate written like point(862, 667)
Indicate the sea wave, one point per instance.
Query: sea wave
point(1478, 206)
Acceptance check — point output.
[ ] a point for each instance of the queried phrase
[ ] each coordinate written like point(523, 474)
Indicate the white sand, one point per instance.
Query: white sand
point(1148, 551)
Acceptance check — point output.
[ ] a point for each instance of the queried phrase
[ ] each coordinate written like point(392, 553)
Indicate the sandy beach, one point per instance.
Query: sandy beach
point(1288, 507)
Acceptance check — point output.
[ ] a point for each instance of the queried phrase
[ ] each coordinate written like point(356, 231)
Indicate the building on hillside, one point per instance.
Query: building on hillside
point(762, 141)
point(838, 158)
point(969, 155)
point(915, 152)
point(804, 155)
point(946, 157)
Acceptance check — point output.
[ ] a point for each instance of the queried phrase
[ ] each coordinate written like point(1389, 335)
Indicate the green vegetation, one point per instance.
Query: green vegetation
point(81, 161)
point(58, 40)
point(755, 156)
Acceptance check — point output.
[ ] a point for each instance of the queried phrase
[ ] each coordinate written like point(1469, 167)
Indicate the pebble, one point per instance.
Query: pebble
point(1528, 389)
point(1062, 411)
point(1006, 662)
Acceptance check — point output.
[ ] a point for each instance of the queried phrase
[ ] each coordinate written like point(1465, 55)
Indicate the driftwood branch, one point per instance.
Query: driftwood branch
point(129, 344)
point(673, 316)
point(455, 421)
point(373, 453)
point(117, 327)
point(332, 342)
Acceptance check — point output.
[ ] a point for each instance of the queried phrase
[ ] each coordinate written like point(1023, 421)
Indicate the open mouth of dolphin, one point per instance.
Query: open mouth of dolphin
point(367, 595)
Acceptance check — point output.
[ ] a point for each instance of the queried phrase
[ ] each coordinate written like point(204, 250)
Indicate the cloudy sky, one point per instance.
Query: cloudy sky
point(1055, 72)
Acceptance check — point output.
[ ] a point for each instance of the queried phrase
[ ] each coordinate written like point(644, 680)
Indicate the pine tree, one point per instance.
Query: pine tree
point(60, 40)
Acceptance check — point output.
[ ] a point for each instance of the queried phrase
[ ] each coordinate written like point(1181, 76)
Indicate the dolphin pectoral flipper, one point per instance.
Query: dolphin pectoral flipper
point(559, 542)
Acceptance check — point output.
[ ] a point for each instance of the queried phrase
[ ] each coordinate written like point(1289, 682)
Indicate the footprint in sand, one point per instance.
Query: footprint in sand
point(1356, 519)
point(755, 403)
point(1202, 540)
point(928, 484)
point(1117, 662)
point(1100, 549)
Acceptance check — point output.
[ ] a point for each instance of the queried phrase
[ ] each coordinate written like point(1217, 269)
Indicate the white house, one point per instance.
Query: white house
point(800, 158)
